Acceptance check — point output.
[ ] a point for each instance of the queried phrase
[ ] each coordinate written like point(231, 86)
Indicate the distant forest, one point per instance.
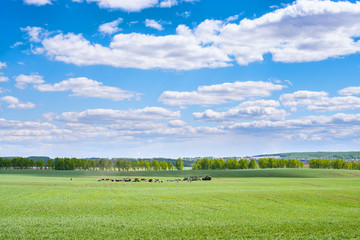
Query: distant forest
point(317, 155)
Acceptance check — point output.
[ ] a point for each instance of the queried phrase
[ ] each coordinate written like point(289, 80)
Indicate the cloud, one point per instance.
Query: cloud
point(304, 31)
point(306, 128)
point(37, 2)
point(220, 93)
point(177, 123)
point(259, 109)
point(301, 32)
point(185, 14)
point(23, 80)
point(168, 3)
point(350, 91)
point(4, 79)
point(14, 103)
point(84, 87)
point(110, 27)
point(136, 50)
point(110, 116)
point(134, 5)
point(126, 5)
point(3, 65)
point(17, 44)
point(232, 18)
point(35, 33)
point(153, 24)
point(335, 104)
point(319, 101)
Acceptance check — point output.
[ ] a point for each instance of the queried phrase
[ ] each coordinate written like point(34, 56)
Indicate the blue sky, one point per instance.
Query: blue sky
point(178, 78)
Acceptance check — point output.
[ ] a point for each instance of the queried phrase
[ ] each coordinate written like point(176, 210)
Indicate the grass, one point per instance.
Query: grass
point(293, 173)
point(256, 204)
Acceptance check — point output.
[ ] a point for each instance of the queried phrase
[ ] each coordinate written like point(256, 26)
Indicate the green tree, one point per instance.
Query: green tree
point(164, 165)
point(147, 165)
point(102, 164)
point(170, 165)
point(243, 164)
point(179, 164)
point(253, 164)
point(49, 164)
point(40, 164)
point(232, 164)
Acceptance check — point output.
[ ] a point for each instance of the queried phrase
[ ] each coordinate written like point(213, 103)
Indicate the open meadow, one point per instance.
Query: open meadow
point(256, 204)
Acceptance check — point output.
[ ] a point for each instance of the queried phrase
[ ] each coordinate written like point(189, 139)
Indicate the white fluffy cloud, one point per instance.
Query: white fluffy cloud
point(4, 79)
point(3, 65)
point(153, 24)
point(220, 93)
point(259, 109)
point(319, 101)
point(36, 34)
point(350, 91)
point(168, 3)
point(85, 87)
point(135, 50)
point(37, 2)
point(80, 87)
point(134, 5)
point(126, 5)
point(177, 123)
point(23, 80)
point(301, 32)
point(307, 128)
point(15, 103)
point(110, 116)
point(111, 27)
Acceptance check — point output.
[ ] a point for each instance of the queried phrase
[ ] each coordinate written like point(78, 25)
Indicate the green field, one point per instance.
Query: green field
point(256, 204)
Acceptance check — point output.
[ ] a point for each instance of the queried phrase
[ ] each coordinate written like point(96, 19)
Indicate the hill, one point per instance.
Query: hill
point(310, 155)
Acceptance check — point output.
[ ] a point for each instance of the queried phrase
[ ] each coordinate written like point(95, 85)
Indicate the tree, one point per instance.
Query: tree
point(155, 165)
point(147, 165)
point(232, 164)
point(179, 164)
point(133, 165)
point(59, 164)
point(263, 162)
point(164, 165)
point(102, 164)
point(49, 164)
point(253, 164)
point(40, 164)
point(170, 166)
point(243, 164)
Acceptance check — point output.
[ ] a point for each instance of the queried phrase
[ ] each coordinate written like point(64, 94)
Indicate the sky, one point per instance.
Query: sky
point(178, 78)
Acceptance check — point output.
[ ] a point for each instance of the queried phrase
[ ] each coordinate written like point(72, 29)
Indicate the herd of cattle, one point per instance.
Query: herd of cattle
point(186, 179)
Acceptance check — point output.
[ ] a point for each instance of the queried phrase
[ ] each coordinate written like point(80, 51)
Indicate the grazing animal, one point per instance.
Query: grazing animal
point(207, 178)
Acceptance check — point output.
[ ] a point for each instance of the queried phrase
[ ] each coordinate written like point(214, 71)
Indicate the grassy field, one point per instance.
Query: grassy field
point(256, 204)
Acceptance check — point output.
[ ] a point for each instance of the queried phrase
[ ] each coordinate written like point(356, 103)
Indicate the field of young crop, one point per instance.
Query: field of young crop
point(257, 204)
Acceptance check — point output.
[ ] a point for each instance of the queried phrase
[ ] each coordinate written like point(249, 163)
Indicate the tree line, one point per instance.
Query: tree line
point(221, 164)
point(334, 164)
point(89, 164)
